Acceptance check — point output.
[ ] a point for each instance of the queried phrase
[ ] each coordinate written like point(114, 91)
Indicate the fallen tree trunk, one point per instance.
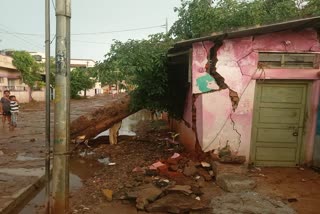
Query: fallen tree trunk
point(91, 124)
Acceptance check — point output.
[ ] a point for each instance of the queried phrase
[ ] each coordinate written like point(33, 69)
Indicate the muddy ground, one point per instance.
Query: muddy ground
point(299, 188)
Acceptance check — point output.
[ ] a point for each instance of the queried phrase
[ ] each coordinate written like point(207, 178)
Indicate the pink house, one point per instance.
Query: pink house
point(256, 90)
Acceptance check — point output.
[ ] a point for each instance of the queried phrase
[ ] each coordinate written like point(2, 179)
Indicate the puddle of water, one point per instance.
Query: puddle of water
point(39, 199)
point(79, 171)
point(84, 169)
point(129, 124)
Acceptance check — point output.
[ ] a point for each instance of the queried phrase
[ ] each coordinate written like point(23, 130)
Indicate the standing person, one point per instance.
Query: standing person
point(14, 110)
point(5, 107)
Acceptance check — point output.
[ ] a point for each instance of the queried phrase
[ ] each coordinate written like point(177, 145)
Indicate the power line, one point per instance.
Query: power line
point(4, 28)
point(90, 33)
point(118, 31)
point(90, 42)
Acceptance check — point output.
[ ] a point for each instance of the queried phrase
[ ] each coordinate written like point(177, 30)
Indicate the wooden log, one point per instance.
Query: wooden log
point(91, 124)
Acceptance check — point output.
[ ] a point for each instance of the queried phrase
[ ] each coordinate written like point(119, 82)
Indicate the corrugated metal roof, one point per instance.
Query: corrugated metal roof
point(313, 22)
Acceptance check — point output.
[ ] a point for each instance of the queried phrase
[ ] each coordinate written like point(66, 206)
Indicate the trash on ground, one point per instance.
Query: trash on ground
point(105, 161)
point(175, 155)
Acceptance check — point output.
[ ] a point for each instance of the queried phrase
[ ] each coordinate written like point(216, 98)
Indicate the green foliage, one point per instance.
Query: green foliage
point(199, 17)
point(29, 68)
point(142, 64)
point(80, 80)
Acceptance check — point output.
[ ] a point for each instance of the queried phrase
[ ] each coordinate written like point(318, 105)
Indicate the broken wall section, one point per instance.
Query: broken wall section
point(218, 122)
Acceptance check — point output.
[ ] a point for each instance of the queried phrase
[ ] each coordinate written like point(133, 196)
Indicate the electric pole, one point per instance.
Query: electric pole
point(48, 146)
point(60, 176)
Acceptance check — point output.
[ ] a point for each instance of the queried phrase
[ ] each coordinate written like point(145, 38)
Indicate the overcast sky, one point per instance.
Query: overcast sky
point(88, 16)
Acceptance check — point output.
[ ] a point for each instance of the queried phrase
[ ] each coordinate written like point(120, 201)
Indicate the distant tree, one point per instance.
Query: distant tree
point(29, 68)
point(80, 80)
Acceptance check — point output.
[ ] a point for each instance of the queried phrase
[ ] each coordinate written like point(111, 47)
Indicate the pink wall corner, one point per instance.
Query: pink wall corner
point(312, 120)
point(288, 41)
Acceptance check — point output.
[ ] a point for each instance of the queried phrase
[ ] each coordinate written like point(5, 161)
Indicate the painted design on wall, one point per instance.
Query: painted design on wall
point(202, 81)
point(206, 83)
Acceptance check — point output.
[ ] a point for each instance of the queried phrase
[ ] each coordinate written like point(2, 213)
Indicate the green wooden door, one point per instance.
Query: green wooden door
point(278, 122)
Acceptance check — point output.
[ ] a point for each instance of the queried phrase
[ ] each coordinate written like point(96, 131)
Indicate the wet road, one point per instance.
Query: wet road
point(22, 150)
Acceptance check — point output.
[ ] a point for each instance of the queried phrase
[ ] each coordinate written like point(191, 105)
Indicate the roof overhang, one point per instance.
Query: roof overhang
point(313, 22)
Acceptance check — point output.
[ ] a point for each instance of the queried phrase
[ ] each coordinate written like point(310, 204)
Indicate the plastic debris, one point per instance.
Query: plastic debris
point(105, 161)
point(85, 153)
point(175, 155)
point(205, 164)
point(111, 164)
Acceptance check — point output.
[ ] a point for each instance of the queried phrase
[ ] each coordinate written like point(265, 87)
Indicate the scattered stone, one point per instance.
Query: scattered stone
point(1, 153)
point(201, 182)
point(108, 194)
point(128, 185)
point(32, 140)
point(211, 173)
point(205, 164)
point(151, 172)
point(146, 195)
point(174, 168)
point(185, 189)
point(204, 174)
point(190, 169)
point(219, 168)
point(290, 200)
point(196, 190)
point(231, 182)
point(176, 203)
point(156, 165)
point(198, 198)
point(162, 183)
point(248, 202)
point(172, 161)
point(233, 159)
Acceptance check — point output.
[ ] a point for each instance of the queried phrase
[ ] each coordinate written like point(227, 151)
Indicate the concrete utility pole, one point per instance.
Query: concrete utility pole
point(60, 176)
point(48, 154)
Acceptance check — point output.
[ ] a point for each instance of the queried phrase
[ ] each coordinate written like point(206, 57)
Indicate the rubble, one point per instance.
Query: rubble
point(176, 203)
point(190, 169)
point(248, 202)
point(146, 195)
point(231, 182)
point(185, 189)
point(219, 168)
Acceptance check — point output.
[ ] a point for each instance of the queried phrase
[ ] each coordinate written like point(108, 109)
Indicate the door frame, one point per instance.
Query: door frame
point(302, 147)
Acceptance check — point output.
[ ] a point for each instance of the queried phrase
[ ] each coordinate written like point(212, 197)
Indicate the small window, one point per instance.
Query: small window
point(287, 60)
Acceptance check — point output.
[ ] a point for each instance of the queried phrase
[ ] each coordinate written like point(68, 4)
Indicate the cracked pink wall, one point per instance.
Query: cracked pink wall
point(237, 63)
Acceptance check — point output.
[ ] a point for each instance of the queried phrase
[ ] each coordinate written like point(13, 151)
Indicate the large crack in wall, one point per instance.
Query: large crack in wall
point(220, 80)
